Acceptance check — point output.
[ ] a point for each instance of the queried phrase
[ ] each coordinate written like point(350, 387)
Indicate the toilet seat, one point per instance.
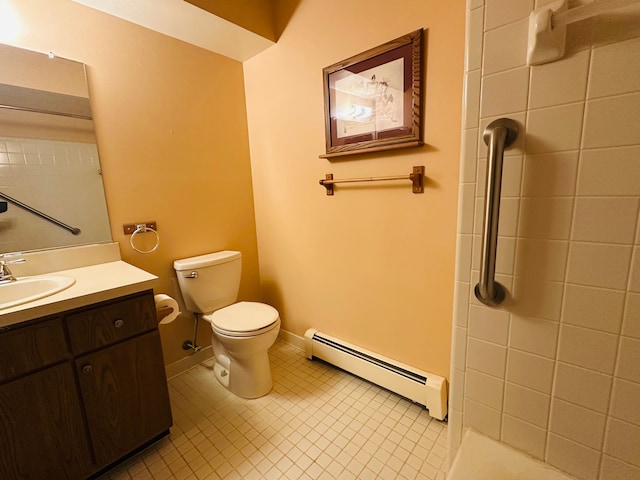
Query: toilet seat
point(243, 319)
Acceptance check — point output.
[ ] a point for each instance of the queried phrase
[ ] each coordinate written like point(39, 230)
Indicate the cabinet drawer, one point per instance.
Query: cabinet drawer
point(29, 348)
point(111, 323)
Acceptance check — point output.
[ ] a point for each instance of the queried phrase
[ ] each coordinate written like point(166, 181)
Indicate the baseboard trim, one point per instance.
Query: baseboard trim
point(196, 358)
point(188, 362)
point(291, 339)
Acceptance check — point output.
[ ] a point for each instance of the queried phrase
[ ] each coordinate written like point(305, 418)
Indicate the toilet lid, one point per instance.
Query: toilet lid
point(243, 317)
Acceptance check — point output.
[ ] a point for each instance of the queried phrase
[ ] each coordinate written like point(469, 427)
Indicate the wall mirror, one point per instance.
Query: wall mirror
point(51, 191)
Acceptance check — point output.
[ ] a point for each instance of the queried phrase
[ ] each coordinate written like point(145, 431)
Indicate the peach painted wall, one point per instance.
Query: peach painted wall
point(373, 265)
point(254, 15)
point(172, 137)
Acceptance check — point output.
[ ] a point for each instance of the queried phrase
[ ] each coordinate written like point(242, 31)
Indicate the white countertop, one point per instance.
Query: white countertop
point(93, 283)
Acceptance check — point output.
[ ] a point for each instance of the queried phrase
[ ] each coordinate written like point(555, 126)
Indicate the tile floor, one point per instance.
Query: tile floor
point(317, 423)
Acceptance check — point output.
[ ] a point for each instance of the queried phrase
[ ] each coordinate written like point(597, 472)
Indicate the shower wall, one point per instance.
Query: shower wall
point(554, 370)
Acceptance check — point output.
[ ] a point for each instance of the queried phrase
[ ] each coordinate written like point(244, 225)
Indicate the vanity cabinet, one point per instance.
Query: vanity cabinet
point(42, 434)
point(82, 390)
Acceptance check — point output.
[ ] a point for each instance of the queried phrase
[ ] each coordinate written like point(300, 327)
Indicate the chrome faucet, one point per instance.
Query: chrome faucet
point(5, 274)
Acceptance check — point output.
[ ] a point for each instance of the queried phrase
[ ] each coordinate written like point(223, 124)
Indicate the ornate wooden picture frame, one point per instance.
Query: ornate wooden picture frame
point(373, 101)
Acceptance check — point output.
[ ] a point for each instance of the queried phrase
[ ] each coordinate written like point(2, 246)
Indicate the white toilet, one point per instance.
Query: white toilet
point(243, 332)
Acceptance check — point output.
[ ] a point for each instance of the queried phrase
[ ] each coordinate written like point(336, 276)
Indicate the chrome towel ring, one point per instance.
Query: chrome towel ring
point(143, 228)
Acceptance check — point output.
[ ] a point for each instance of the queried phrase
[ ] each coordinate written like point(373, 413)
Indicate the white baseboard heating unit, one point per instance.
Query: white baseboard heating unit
point(421, 387)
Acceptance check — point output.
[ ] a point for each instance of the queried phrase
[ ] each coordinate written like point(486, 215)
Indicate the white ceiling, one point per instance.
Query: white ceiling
point(186, 22)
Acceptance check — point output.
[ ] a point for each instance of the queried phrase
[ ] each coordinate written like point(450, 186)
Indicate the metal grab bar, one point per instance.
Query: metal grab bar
point(498, 135)
point(74, 230)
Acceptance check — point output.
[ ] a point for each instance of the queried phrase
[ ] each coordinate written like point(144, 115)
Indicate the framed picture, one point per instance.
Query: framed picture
point(373, 101)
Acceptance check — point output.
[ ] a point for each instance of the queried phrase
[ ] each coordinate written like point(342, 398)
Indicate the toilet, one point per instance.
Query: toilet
point(242, 332)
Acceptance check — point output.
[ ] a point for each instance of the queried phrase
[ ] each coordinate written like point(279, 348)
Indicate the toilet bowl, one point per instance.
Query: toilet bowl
point(242, 332)
point(242, 335)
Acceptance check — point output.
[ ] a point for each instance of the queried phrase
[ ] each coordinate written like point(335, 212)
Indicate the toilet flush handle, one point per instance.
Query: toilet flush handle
point(193, 274)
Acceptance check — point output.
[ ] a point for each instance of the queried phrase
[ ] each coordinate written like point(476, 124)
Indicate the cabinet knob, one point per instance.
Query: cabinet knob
point(119, 323)
point(87, 369)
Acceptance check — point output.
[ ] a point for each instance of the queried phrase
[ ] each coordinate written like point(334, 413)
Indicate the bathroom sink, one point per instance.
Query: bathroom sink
point(28, 289)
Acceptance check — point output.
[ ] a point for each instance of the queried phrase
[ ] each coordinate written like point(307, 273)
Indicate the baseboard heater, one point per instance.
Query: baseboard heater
point(421, 387)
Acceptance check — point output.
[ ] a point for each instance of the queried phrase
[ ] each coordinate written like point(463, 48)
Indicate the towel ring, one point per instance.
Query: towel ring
point(142, 228)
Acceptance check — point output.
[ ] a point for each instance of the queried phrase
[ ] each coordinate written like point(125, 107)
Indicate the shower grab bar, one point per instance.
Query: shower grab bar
point(25, 99)
point(46, 112)
point(589, 10)
point(74, 230)
point(416, 177)
point(548, 26)
point(498, 135)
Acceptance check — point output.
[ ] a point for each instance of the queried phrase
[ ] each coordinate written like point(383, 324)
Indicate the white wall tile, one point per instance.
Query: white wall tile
point(527, 405)
point(511, 175)
point(509, 210)
point(484, 389)
point(634, 276)
point(516, 148)
point(469, 155)
point(577, 423)
point(612, 121)
point(613, 469)
point(505, 47)
point(531, 371)
point(472, 106)
point(454, 431)
point(596, 262)
point(486, 357)
point(505, 280)
point(610, 171)
point(482, 418)
point(629, 359)
point(598, 265)
point(463, 257)
point(503, 12)
point(625, 401)
point(461, 304)
point(474, 29)
point(617, 25)
point(505, 92)
point(606, 63)
point(555, 129)
point(588, 348)
point(505, 255)
point(550, 174)
point(541, 259)
point(605, 219)
point(489, 324)
point(593, 307)
point(466, 201)
point(456, 394)
point(622, 441)
point(559, 82)
point(583, 387)
point(534, 336)
point(572, 457)
point(523, 436)
point(459, 346)
point(545, 217)
point(534, 297)
point(631, 322)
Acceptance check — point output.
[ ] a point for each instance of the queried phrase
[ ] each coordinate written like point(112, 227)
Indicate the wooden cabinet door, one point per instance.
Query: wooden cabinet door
point(42, 434)
point(124, 389)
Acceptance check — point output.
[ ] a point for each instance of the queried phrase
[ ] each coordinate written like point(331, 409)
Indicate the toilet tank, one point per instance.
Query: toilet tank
point(209, 282)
